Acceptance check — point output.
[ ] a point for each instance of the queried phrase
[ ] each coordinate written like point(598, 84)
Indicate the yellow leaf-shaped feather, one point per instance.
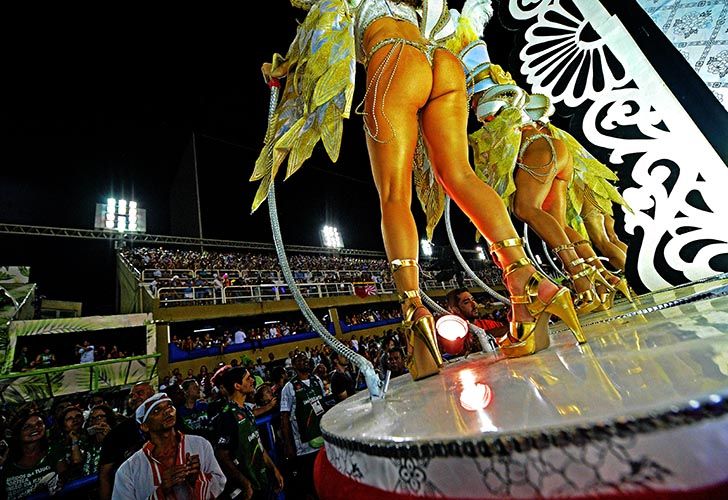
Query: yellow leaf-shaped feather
point(317, 94)
point(429, 192)
point(332, 129)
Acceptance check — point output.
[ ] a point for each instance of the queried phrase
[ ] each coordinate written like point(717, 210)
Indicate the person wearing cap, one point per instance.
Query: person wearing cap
point(122, 441)
point(301, 411)
point(170, 464)
point(247, 466)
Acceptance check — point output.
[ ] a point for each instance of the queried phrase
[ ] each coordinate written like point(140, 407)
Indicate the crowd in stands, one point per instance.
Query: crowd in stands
point(275, 329)
point(49, 446)
point(202, 275)
point(44, 355)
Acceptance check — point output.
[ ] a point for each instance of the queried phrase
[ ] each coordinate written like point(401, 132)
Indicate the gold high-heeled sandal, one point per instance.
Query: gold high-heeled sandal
point(529, 337)
point(425, 359)
point(621, 286)
point(587, 300)
point(601, 281)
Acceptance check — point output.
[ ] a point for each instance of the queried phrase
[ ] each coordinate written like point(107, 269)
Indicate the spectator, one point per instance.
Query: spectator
point(46, 359)
point(22, 360)
point(192, 413)
point(395, 362)
point(123, 441)
point(159, 469)
point(242, 457)
point(85, 352)
point(70, 445)
point(98, 425)
point(265, 401)
point(219, 396)
point(29, 468)
point(203, 378)
point(279, 377)
point(301, 412)
point(342, 383)
point(462, 303)
point(259, 368)
point(323, 374)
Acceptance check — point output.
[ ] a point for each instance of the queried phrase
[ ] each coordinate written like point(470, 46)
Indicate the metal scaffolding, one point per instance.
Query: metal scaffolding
point(154, 239)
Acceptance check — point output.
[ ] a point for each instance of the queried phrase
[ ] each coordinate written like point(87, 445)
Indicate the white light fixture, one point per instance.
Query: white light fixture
point(481, 254)
point(331, 238)
point(426, 247)
point(121, 216)
point(451, 327)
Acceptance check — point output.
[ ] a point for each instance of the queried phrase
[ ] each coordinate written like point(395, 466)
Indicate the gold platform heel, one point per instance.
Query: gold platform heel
point(529, 337)
point(425, 359)
point(587, 300)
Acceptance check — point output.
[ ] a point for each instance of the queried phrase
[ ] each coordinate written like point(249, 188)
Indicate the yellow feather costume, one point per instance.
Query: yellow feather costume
point(317, 96)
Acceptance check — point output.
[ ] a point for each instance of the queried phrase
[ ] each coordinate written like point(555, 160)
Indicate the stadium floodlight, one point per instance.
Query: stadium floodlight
point(481, 254)
point(331, 238)
point(426, 247)
point(120, 216)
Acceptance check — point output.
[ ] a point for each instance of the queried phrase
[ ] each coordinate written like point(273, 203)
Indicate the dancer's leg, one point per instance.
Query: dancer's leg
point(444, 120)
point(595, 227)
point(535, 192)
point(609, 227)
point(391, 162)
point(391, 155)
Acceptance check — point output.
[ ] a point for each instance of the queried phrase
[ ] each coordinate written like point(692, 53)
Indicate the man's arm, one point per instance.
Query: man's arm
point(272, 467)
point(123, 485)
point(106, 481)
point(289, 447)
point(233, 475)
point(210, 470)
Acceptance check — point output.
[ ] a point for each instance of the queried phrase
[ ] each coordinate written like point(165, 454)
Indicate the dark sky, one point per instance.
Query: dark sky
point(103, 102)
point(107, 105)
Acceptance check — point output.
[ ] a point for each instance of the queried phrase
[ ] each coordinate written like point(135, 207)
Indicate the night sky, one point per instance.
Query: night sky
point(102, 103)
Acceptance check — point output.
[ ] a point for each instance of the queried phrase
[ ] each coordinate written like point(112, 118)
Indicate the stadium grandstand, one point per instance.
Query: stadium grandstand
point(183, 311)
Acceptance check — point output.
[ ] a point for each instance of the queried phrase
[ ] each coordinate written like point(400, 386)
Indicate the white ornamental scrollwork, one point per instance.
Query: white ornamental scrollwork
point(526, 9)
point(562, 54)
point(677, 175)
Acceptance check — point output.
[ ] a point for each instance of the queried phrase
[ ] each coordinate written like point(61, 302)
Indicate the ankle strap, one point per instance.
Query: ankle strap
point(575, 263)
point(516, 265)
point(582, 242)
point(398, 264)
point(409, 294)
point(561, 248)
point(586, 272)
point(510, 242)
point(591, 259)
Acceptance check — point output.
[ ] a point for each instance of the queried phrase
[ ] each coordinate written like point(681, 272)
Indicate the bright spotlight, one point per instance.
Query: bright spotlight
point(481, 254)
point(331, 238)
point(121, 216)
point(426, 247)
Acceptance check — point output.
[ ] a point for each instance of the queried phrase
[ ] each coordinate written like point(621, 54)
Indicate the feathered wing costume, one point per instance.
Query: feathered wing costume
point(318, 92)
point(317, 98)
point(504, 108)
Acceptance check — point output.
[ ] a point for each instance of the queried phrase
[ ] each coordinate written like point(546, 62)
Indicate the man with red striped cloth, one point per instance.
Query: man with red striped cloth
point(170, 464)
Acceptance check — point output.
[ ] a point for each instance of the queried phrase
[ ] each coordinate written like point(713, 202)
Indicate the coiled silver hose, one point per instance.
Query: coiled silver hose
point(377, 387)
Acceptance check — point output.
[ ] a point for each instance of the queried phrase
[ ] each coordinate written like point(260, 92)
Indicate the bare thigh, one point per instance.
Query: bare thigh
point(392, 106)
